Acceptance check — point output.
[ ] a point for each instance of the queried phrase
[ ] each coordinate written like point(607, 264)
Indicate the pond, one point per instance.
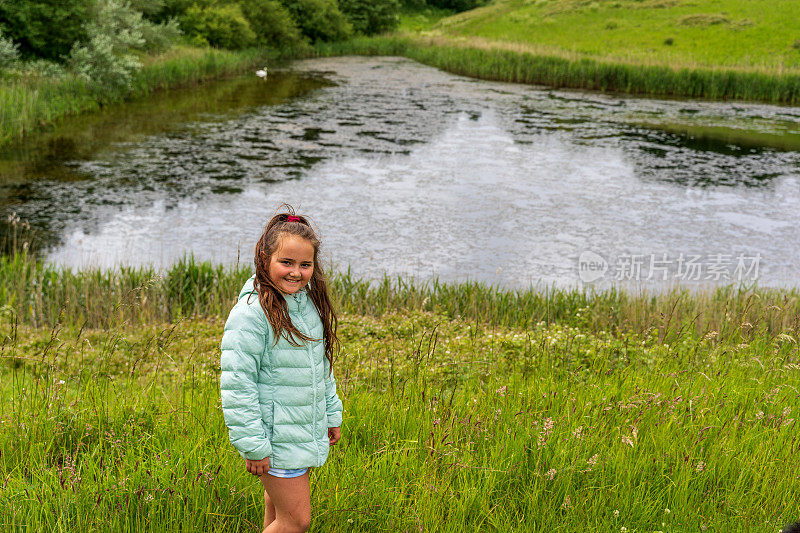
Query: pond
point(408, 170)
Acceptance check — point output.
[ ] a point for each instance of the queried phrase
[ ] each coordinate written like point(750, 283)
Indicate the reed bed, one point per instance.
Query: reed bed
point(509, 65)
point(41, 294)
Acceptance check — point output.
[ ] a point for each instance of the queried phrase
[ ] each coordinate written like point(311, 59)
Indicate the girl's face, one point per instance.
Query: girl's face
point(292, 264)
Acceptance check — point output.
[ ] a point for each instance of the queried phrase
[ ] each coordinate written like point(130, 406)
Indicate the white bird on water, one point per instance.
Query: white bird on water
point(262, 73)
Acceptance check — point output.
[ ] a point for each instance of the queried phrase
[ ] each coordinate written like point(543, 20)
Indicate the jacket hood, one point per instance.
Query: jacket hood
point(248, 288)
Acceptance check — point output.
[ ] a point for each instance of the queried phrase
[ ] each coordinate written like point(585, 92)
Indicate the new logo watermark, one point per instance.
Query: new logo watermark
point(664, 267)
point(591, 266)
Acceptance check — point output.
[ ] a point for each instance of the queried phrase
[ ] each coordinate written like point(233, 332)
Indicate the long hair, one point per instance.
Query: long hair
point(271, 298)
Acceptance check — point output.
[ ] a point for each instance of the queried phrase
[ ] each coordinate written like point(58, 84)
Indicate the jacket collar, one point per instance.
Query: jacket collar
point(298, 298)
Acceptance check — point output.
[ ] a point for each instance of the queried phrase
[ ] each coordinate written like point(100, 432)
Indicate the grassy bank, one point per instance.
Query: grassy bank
point(717, 49)
point(500, 61)
point(31, 103)
point(450, 425)
point(752, 35)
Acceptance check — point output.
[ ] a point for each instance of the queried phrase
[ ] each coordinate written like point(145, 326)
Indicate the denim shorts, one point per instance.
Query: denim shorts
point(291, 472)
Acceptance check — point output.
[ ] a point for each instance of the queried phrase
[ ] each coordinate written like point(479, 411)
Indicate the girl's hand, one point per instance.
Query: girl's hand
point(334, 434)
point(257, 468)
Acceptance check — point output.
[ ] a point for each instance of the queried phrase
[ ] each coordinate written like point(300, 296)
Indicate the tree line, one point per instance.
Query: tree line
point(42, 29)
point(104, 41)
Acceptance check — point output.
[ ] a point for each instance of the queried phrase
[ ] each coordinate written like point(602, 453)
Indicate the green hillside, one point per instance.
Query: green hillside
point(760, 35)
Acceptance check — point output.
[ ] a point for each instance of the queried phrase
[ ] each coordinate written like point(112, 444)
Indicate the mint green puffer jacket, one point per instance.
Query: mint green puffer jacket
point(278, 401)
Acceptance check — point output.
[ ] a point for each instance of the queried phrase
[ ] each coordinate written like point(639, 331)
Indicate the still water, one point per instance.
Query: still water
point(409, 170)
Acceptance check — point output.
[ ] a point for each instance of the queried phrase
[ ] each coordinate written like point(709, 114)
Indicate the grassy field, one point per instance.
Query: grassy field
point(466, 408)
point(751, 35)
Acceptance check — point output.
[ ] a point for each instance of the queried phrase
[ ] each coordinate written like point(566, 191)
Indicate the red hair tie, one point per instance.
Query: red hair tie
point(292, 218)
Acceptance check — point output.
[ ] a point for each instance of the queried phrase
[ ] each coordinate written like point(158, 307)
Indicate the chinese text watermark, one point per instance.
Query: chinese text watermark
point(664, 267)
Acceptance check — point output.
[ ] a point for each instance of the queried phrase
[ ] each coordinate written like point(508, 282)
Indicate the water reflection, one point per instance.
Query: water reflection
point(410, 170)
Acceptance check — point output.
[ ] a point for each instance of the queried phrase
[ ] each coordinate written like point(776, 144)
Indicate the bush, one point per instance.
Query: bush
point(105, 59)
point(271, 23)
point(319, 20)
point(9, 55)
point(222, 26)
point(160, 37)
point(43, 28)
point(371, 16)
point(159, 29)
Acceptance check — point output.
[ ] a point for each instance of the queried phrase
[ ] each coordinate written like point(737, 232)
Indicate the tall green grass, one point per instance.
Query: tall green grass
point(519, 66)
point(448, 426)
point(42, 294)
point(26, 105)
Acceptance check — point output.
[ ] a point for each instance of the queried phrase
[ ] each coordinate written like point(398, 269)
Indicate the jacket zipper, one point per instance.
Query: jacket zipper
point(310, 352)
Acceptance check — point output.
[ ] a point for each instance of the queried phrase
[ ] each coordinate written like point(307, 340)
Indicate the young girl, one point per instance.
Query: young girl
point(278, 392)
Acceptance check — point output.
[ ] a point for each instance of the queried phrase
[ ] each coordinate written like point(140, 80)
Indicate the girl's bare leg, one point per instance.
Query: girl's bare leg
point(291, 498)
point(269, 510)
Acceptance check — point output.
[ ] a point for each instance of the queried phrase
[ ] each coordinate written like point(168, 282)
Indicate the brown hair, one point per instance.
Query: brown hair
point(271, 298)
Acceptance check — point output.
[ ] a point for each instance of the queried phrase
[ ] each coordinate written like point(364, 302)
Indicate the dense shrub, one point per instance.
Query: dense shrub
point(160, 37)
point(9, 55)
point(319, 20)
point(116, 29)
point(104, 60)
point(222, 26)
point(271, 23)
point(371, 16)
point(43, 28)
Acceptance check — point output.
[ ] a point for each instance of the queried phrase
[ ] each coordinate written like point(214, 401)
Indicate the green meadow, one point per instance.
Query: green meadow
point(466, 408)
point(751, 35)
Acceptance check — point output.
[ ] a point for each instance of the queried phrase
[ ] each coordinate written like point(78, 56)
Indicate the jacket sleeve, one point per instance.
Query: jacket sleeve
point(333, 405)
point(243, 343)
